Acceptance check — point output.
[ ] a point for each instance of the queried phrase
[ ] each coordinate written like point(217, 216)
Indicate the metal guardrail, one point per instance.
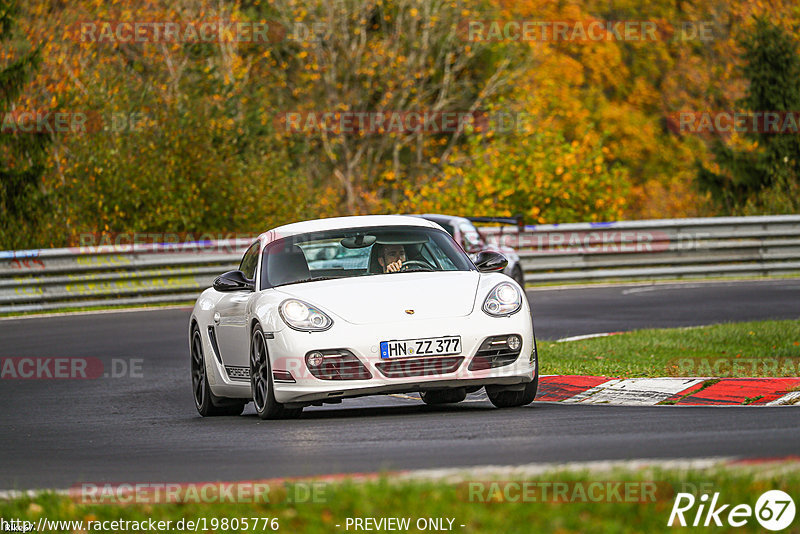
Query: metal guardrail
point(46, 279)
point(112, 275)
point(656, 249)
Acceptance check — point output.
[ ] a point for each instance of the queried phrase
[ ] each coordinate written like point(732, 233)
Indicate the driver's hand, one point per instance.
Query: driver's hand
point(394, 267)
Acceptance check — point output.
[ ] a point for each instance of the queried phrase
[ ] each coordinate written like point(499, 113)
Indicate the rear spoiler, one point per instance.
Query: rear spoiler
point(518, 221)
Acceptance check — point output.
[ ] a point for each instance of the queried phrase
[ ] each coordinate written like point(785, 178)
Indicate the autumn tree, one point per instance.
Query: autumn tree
point(21, 154)
point(765, 175)
point(383, 56)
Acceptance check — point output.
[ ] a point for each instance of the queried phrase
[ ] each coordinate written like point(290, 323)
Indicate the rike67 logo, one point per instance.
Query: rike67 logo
point(774, 510)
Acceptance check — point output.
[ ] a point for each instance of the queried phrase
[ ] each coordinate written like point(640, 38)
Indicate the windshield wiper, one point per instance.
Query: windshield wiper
point(304, 280)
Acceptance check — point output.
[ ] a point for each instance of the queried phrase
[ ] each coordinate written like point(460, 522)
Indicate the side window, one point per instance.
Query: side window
point(249, 262)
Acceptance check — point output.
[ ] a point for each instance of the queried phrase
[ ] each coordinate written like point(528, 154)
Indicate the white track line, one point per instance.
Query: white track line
point(588, 336)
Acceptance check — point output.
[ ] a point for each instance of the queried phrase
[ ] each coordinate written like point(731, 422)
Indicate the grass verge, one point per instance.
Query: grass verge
point(750, 349)
point(475, 503)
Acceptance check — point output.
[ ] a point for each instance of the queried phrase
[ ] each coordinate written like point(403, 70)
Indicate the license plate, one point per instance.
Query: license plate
point(431, 346)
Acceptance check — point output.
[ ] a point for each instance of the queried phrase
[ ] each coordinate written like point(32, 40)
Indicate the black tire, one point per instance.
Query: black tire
point(261, 381)
point(518, 276)
point(443, 396)
point(208, 404)
point(507, 398)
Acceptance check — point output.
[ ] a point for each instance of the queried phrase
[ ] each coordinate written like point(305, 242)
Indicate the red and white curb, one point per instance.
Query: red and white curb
point(697, 391)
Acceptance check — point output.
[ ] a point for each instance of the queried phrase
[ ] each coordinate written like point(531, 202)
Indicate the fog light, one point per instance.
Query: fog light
point(514, 342)
point(314, 359)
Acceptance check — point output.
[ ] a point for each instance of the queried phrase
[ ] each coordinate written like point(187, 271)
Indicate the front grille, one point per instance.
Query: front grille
point(494, 352)
point(340, 364)
point(403, 368)
point(237, 373)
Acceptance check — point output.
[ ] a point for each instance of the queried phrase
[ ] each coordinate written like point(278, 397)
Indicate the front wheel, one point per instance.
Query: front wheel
point(208, 404)
point(261, 381)
point(508, 398)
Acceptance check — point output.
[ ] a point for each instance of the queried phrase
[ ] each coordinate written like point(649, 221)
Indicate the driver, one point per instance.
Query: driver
point(392, 258)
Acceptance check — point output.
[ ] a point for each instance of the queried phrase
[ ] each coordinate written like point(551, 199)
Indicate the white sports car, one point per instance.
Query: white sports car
point(405, 311)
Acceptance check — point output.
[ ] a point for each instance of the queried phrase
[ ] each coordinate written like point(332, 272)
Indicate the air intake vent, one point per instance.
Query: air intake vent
point(496, 351)
point(402, 368)
point(337, 364)
point(212, 335)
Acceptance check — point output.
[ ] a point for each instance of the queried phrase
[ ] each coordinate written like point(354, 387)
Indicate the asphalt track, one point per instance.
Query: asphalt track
point(56, 433)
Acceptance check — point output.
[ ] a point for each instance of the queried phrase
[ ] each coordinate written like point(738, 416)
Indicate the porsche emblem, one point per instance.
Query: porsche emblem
point(410, 312)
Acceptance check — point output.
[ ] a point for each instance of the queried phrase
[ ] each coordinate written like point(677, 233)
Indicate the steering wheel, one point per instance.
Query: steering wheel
point(424, 265)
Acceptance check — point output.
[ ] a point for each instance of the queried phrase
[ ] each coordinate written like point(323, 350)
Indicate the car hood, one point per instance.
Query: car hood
point(386, 298)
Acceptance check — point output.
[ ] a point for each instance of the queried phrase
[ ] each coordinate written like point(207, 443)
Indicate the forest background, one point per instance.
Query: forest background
point(190, 136)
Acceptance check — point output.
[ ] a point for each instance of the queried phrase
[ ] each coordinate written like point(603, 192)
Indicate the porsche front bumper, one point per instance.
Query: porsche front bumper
point(297, 384)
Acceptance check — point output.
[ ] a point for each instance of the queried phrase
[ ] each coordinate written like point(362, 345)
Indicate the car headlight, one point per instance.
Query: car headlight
point(504, 299)
point(303, 316)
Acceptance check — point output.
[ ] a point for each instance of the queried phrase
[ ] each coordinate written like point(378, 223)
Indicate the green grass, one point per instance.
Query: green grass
point(751, 349)
point(484, 511)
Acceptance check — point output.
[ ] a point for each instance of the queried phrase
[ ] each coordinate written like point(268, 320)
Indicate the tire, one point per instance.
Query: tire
point(443, 396)
point(261, 382)
point(509, 398)
point(518, 276)
point(207, 404)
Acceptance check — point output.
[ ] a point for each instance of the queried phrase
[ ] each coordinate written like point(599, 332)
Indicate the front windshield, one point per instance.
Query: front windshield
point(370, 251)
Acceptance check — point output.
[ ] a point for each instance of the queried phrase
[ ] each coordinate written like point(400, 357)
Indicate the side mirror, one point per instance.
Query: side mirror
point(233, 281)
point(489, 262)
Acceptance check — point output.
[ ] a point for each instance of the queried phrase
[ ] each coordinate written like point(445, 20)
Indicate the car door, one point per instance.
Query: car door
point(231, 327)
